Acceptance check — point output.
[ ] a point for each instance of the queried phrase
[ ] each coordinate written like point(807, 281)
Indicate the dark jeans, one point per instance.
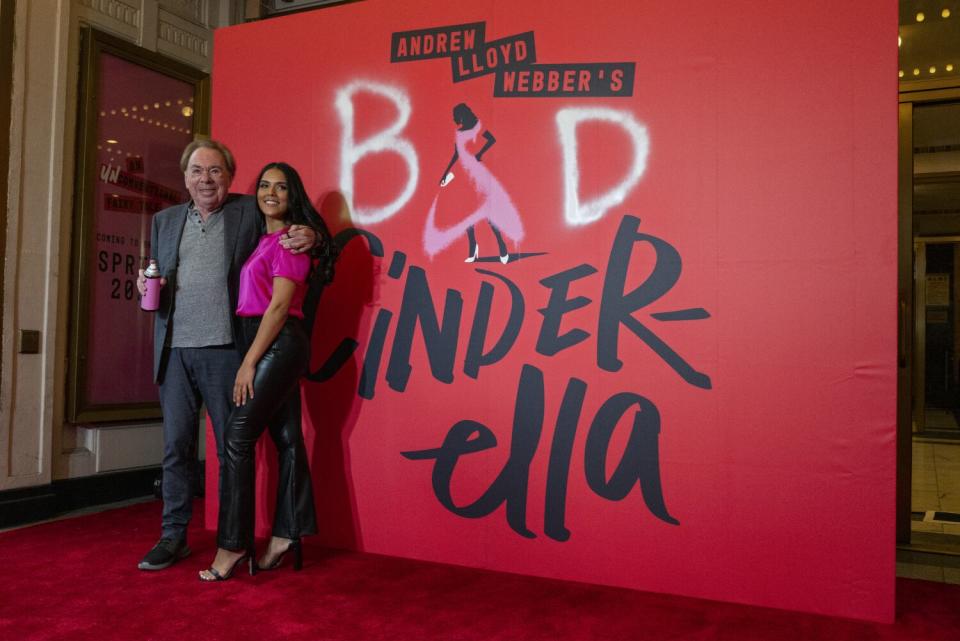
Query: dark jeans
point(275, 406)
point(192, 375)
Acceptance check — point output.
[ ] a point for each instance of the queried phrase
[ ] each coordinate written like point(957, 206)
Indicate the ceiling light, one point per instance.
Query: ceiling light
point(111, 141)
point(899, 41)
point(920, 17)
point(949, 67)
point(187, 111)
point(933, 70)
point(945, 13)
point(901, 73)
point(916, 72)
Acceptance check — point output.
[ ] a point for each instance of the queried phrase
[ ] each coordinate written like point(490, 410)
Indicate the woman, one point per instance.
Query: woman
point(495, 205)
point(266, 392)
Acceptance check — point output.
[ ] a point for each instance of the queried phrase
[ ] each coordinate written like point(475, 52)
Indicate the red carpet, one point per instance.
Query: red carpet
point(77, 579)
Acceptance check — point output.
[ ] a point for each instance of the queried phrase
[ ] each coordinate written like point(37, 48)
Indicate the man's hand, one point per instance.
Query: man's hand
point(142, 283)
point(299, 239)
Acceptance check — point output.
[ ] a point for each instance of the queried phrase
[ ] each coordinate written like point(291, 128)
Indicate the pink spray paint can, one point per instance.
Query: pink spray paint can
point(151, 299)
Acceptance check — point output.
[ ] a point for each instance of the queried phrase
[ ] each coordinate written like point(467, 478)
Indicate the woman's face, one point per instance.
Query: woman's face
point(272, 194)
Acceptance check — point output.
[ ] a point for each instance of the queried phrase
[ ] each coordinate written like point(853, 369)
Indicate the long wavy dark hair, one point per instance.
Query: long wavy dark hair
point(300, 211)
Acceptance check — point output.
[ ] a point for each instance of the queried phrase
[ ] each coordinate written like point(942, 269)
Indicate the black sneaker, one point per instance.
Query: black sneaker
point(164, 554)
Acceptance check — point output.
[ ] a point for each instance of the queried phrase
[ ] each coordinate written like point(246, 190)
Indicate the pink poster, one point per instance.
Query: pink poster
point(144, 122)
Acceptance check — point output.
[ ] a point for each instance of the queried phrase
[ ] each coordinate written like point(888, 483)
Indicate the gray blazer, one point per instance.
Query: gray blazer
point(242, 227)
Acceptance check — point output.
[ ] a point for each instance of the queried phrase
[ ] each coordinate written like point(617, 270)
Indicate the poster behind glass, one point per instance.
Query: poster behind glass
point(143, 122)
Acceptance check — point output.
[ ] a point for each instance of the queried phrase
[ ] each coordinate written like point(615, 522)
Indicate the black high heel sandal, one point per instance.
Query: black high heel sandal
point(250, 555)
point(297, 548)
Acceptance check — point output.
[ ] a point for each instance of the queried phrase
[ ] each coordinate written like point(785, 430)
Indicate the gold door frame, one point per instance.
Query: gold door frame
point(94, 43)
point(911, 94)
point(918, 423)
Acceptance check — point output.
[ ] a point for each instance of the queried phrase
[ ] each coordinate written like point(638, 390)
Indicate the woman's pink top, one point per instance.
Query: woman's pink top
point(268, 261)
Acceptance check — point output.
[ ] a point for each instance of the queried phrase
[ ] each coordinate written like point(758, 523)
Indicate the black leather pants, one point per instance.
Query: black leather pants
point(275, 406)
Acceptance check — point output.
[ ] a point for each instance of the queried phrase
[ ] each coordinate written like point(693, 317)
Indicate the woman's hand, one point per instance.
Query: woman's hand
point(243, 385)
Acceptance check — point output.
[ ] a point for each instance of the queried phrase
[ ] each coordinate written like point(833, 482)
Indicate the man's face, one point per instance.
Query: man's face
point(207, 179)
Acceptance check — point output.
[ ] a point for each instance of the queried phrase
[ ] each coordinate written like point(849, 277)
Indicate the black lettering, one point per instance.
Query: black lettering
point(520, 78)
point(439, 339)
point(342, 353)
point(494, 56)
point(550, 341)
point(371, 360)
point(510, 486)
point(561, 450)
point(641, 456)
point(436, 42)
point(475, 357)
point(617, 307)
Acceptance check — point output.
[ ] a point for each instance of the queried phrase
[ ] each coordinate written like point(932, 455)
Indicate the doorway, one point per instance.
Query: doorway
point(936, 396)
point(929, 353)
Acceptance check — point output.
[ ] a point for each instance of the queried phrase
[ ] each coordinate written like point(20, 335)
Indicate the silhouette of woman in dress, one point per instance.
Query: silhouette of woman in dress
point(494, 203)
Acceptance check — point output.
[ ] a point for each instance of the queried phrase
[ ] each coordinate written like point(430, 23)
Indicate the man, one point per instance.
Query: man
point(199, 247)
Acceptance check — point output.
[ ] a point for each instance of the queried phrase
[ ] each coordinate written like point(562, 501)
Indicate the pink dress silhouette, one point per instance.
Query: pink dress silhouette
point(493, 202)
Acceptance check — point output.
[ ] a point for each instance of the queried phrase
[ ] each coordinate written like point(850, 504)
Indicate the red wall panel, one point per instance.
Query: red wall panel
point(698, 391)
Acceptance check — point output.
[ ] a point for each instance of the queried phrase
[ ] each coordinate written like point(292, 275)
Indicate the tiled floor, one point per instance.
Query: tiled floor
point(936, 487)
point(936, 483)
point(943, 568)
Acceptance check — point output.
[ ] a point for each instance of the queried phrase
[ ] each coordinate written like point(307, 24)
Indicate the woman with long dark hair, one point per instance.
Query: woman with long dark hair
point(276, 352)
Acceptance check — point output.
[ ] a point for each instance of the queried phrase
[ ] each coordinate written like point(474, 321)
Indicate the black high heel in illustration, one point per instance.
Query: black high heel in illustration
point(248, 556)
point(296, 548)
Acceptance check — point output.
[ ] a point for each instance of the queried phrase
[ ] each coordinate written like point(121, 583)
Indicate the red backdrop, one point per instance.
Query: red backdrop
point(686, 364)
